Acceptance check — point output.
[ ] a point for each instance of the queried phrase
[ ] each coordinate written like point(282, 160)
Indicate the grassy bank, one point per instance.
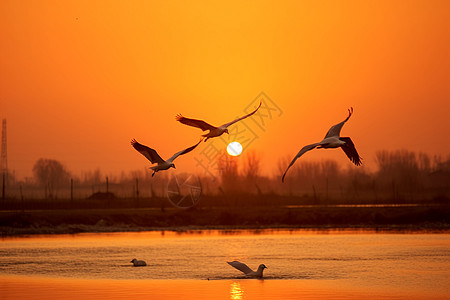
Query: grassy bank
point(436, 217)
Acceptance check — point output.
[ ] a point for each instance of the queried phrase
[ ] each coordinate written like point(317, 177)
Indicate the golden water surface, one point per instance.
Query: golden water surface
point(192, 265)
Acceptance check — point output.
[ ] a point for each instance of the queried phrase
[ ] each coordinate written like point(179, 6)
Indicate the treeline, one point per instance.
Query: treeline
point(400, 177)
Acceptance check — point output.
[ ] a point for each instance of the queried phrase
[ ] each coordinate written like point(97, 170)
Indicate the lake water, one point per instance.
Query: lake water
point(192, 264)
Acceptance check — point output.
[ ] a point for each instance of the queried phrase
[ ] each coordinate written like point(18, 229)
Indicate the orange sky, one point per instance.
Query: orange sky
point(79, 79)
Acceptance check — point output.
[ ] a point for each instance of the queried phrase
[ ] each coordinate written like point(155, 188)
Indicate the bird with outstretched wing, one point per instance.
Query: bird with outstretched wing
point(213, 130)
point(246, 270)
point(332, 140)
point(154, 157)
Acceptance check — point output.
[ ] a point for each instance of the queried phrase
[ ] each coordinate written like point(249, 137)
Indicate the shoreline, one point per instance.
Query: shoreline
point(71, 230)
point(393, 219)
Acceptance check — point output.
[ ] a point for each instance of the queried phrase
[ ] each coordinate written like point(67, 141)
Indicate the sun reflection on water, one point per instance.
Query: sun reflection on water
point(236, 292)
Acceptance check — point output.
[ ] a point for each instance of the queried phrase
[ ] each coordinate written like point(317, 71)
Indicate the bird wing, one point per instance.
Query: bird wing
point(149, 153)
point(187, 150)
point(350, 151)
point(241, 267)
point(300, 153)
point(194, 123)
point(241, 118)
point(336, 129)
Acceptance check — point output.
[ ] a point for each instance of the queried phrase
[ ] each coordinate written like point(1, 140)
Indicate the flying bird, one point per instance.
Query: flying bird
point(213, 131)
point(332, 140)
point(154, 157)
point(246, 270)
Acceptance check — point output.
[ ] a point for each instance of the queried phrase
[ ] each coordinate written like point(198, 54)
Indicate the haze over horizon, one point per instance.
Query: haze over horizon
point(80, 79)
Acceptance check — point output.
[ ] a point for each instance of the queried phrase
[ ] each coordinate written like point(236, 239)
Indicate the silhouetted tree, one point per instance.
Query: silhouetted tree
point(282, 164)
point(400, 170)
point(228, 170)
point(92, 177)
point(252, 165)
point(50, 174)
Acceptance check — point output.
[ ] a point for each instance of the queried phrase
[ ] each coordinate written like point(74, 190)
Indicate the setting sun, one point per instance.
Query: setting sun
point(234, 148)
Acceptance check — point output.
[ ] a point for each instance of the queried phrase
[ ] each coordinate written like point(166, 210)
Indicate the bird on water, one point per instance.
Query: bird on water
point(138, 263)
point(246, 270)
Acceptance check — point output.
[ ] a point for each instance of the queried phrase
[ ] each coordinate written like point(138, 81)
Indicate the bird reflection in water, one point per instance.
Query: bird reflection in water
point(236, 291)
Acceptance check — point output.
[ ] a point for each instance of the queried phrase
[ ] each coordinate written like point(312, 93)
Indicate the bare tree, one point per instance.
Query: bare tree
point(282, 164)
point(424, 162)
point(92, 177)
point(252, 165)
point(50, 174)
point(228, 170)
point(399, 169)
